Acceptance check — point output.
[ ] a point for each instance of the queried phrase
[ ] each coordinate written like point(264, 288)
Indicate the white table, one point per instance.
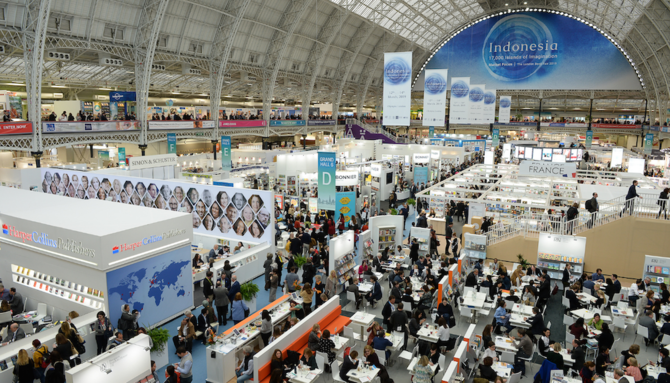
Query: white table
point(428, 333)
point(567, 359)
point(365, 287)
point(364, 320)
point(628, 313)
point(474, 301)
point(586, 297)
point(588, 314)
point(304, 375)
point(505, 344)
point(517, 321)
point(524, 310)
point(363, 374)
point(503, 369)
point(339, 341)
point(397, 340)
point(413, 363)
point(655, 371)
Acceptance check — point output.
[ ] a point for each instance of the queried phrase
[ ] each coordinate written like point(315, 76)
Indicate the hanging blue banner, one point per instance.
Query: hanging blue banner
point(122, 156)
point(495, 137)
point(327, 166)
point(420, 174)
point(226, 163)
point(589, 139)
point(122, 96)
point(431, 131)
point(345, 204)
point(172, 143)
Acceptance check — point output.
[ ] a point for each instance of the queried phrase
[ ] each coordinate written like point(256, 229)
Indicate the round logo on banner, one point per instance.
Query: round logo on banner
point(489, 98)
point(476, 94)
point(505, 102)
point(169, 102)
point(435, 84)
point(397, 71)
point(459, 89)
point(516, 47)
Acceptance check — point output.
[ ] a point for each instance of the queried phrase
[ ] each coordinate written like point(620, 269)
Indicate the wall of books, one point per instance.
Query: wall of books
point(657, 269)
point(554, 252)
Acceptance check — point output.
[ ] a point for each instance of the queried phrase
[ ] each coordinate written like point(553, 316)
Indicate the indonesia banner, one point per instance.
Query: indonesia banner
point(458, 104)
point(489, 111)
point(476, 99)
point(434, 97)
point(504, 109)
point(397, 88)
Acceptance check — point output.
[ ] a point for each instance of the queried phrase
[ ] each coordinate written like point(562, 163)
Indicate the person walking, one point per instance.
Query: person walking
point(630, 198)
point(103, 331)
point(185, 365)
point(663, 202)
point(593, 207)
point(221, 301)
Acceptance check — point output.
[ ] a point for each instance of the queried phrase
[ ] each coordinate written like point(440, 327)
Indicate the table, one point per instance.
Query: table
point(339, 341)
point(474, 301)
point(393, 265)
point(399, 258)
point(620, 312)
point(397, 340)
point(413, 363)
point(505, 344)
point(428, 333)
point(587, 315)
point(503, 369)
point(517, 321)
point(567, 359)
point(304, 375)
point(586, 297)
point(654, 371)
point(524, 310)
point(363, 375)
point(364, 320)
point(281, 225)
point(365, 287)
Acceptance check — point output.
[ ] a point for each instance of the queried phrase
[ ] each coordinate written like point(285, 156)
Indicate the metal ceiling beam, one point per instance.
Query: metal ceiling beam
point(183, 28)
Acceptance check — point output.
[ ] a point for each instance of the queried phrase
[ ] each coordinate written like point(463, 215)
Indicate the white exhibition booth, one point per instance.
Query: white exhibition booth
point(77, 257)
point(386, 230)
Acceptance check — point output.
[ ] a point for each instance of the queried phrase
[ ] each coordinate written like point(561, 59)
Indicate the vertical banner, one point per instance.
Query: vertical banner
point(495, 137)
point(431, 131)
point(345, 204)
point(397, 88)
point(458, 103)
point(489, 110)
point(435, 97)
point(420, 174)
point(648, 142)
point(476, 106)
point(327, 180)
point(122, 156)
point(504, 109)
point(172, 143)
point(226, 164)
point(589, 139)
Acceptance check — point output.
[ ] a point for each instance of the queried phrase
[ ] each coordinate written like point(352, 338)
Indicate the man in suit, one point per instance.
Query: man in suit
point(473, 277)
point(14, 333)
point(221, 302)
point(399, 321)
point(588, 285)
point(17, 301)
point(350, 363)
point(185, 335)
point(377, 263)
point(395, 291)
point(571, 294)
point(208, 285)
point(376, 293)
point(353, 288)
point(648, 321)
point(632, 193)
point(203, 323)
point(617, 284)
point(213, 253)
point(544, 291)
point(388, 309)
point(234, 289)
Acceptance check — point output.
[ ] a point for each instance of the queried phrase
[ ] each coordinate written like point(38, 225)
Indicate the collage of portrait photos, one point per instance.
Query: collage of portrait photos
point(216, 210)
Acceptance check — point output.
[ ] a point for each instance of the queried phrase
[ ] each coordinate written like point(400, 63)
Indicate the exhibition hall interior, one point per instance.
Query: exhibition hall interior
point(359, 191)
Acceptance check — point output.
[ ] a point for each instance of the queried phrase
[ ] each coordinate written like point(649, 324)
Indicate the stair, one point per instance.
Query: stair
point(361, 131)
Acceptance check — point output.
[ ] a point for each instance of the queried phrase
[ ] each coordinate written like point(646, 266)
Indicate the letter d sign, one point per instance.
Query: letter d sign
point(326, 179)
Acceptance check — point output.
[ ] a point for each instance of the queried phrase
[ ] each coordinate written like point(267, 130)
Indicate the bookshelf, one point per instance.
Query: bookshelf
point(291, 187)
point(386, 237)
point(556, 263)
point(344, 267)
point(657, 269)
point(281, 181)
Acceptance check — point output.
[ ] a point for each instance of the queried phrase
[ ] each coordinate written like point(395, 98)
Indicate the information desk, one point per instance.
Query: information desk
point(228, 347)
point(48, 337)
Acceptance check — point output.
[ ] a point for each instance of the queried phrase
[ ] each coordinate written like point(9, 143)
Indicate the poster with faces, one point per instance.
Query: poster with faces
point(237, 214)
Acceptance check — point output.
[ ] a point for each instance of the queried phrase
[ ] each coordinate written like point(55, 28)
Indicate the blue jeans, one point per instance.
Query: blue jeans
point(240, 378)
point(186, 380)
point(38, 373)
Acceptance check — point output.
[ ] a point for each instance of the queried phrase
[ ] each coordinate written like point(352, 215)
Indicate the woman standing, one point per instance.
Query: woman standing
point(307, 293)
point(266, 327)
point(239, 309)
point(332, 284)
point(319, 288)
point(103, 331)
point(55, 371)
point(40, 359)
point(433, 244)
point(663, 202)
point(23, 369)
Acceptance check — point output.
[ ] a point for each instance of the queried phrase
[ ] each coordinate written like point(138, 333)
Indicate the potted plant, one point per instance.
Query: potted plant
point(394, 212)
point(522, 261)
point(159, 337)
point(412, 205)
point(249, 292)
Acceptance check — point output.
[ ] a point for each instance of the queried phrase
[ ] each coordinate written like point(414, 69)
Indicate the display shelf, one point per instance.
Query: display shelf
point(555, 264)
point(344, 267)
point(58, 291)
point(368, 248)
point(386, 237)
point(291, 185)
point(657, 269)
point(62, 284)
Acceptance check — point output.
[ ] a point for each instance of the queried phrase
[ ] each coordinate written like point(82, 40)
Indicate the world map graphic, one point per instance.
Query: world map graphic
point(157, 287)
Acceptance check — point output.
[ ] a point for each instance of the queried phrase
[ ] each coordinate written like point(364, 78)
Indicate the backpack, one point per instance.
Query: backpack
point(587, 205)
point(43, 361)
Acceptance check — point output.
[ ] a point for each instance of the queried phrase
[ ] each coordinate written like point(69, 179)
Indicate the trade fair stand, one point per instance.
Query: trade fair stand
point(57, 253)
point(342, 256)
point(48, 337)
point(657, 269)
point(423, 237)
point(554, 252)
point(247, 264)
point(128, 362)
point(387, 231)
point(227, 351)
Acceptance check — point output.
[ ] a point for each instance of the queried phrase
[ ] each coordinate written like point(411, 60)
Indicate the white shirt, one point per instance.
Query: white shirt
point(491, 353)
point(633, 291)
point(62, 118)
point(443, 333)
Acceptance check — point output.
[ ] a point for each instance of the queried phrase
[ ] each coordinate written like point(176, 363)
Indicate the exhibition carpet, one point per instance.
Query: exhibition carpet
point(200, 350)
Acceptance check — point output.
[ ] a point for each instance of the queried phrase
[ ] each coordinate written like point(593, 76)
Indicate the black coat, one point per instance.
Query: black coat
point(536, 324)
point(471, 280)
point(25, 373)
point(386, 312)
point(347, 366)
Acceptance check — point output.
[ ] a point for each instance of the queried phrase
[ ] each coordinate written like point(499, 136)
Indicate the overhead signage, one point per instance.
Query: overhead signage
point(636, 165)
point(346, 178)
point(504, 109)
point(495, 137)
point(421, 158)
point(152, 161)
point(589, 139)
point(459, 106)
point(434, 98)
point(476, 103)
point(122, 96)
point(8, 128)
point(489, 108)
point(547, 169)
point(397, 88)
point(172, 143)
point(89, 126)
point(345, 205)
point(420, 175)
point(146, 241)
point(241, 123)
point(648, 143)
point(435, 154)
point(178, 125)
point(320, 122)
point(226, 161)
point(287, 122)
point(507, 151)
point(122, 156)
point(431, 131)
point(617, 157)
point(73, 246)
point(327, 166)
point(376, 170)
point(616, 126)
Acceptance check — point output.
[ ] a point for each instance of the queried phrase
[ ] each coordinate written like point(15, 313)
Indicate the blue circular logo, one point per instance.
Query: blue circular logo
point(435, 84)
point(516, 47)
point(397, 71)
point(476, 94)
point(505, 103)
point(459, 89)
point(489, 98)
